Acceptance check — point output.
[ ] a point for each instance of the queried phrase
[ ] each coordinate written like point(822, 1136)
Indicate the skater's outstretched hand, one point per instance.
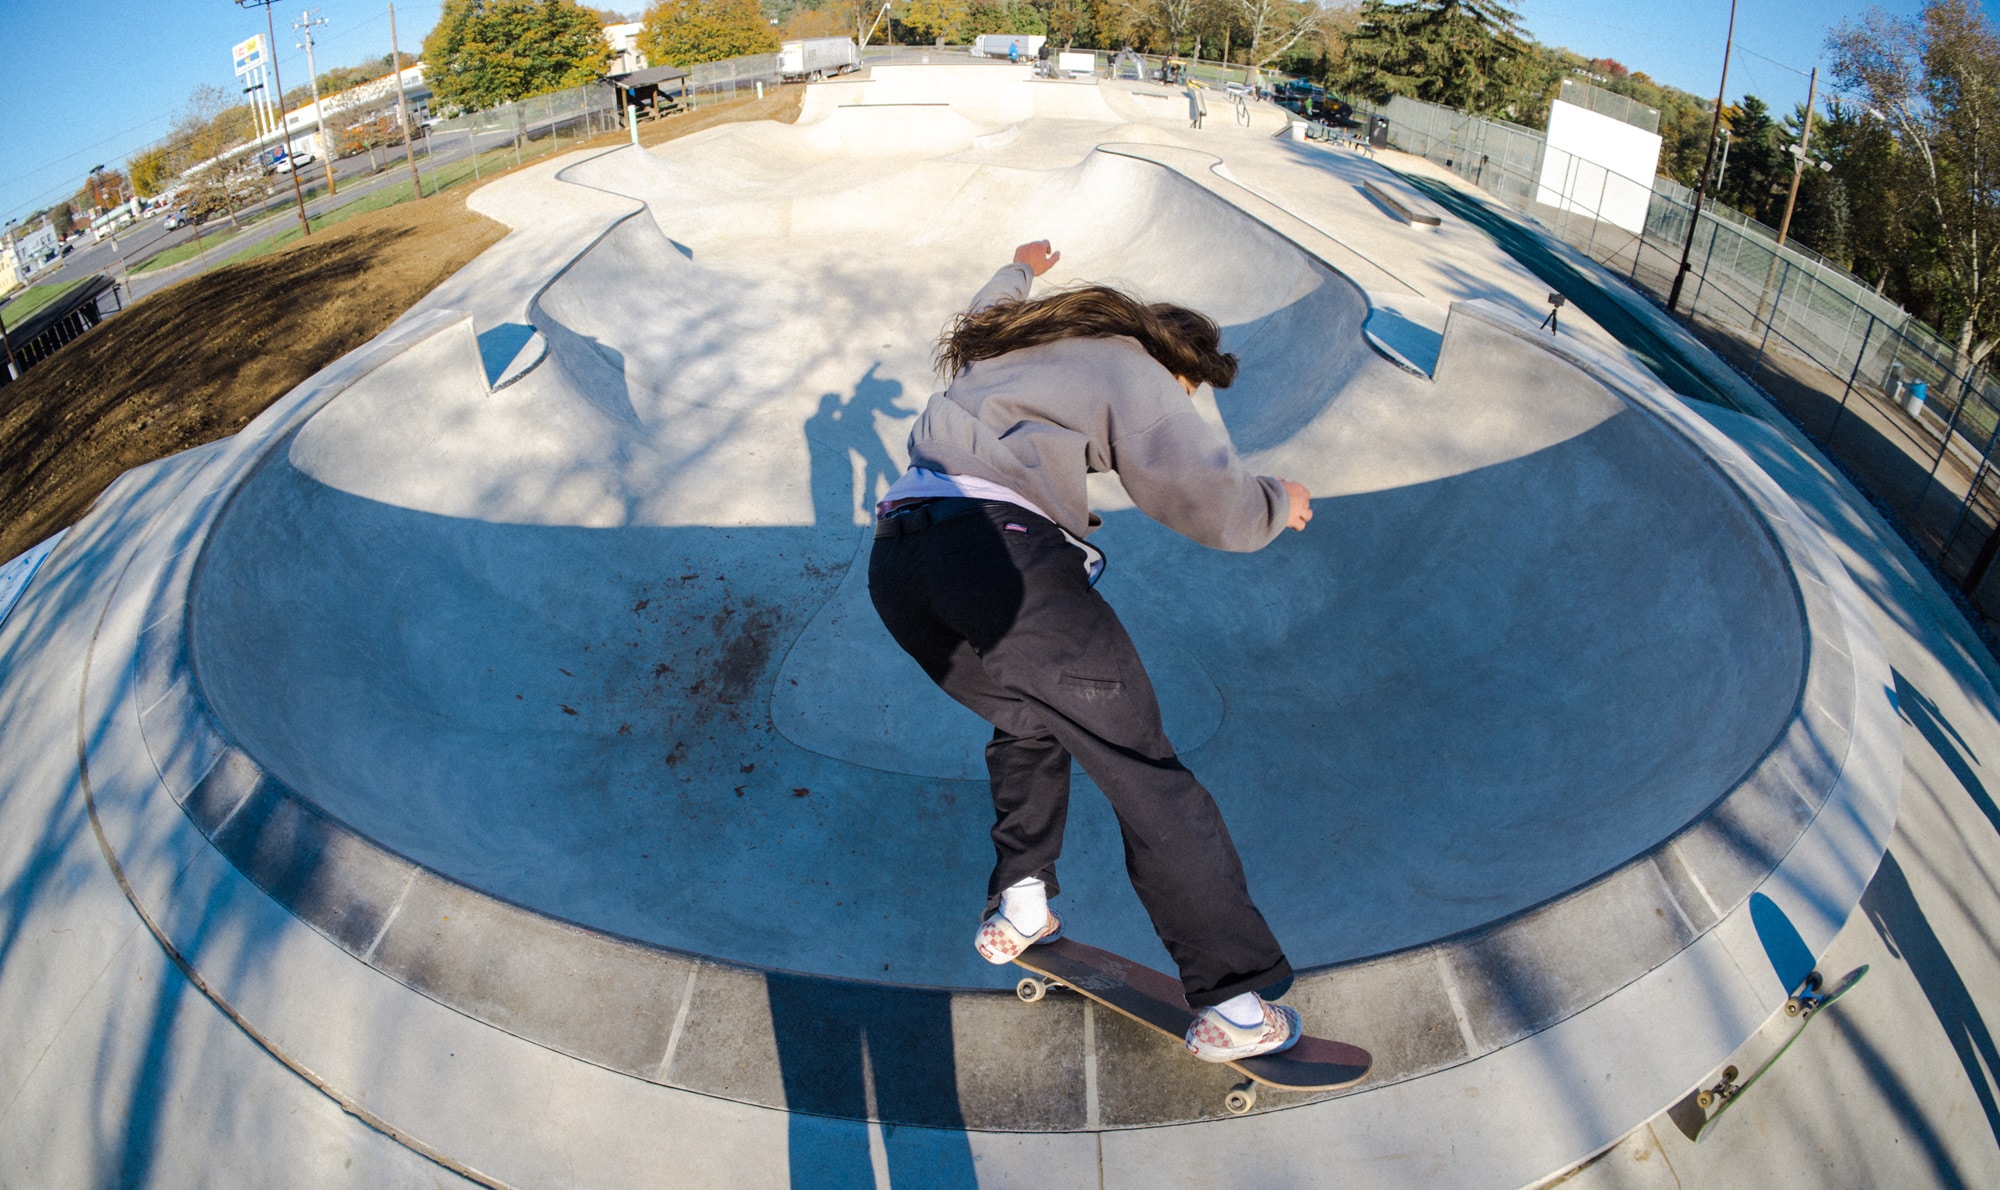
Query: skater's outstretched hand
point(1037, 257)
point(1302, 509)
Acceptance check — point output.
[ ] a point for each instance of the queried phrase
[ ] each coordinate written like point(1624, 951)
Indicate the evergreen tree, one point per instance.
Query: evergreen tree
point(488, 52)
point(1871, 172)
point(1760, 170)
point(1462, 54)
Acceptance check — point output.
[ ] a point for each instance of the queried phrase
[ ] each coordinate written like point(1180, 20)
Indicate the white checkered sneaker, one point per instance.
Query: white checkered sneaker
point(1215, 1038)
point(998, 941)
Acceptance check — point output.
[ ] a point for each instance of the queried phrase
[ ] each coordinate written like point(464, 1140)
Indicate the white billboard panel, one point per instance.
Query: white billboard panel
point(1598, 166)
point(249, 54)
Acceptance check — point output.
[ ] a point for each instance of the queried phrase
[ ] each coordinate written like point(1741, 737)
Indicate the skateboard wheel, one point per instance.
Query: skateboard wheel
point(1814, 981)
point(1795, 1006)
point(1705, 1100)
point(1031, 990)
point(1240, 1101)
point(1729, 1074)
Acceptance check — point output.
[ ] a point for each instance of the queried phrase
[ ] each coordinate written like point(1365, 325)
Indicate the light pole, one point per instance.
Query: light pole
point(7, 245)
point(284, 134)
point(403, 107)
point(1694, 219)
point(306, 21)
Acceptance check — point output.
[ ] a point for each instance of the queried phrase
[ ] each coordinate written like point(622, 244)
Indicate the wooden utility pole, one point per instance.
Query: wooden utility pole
point(284, 133)
point(1798, 171)
point(304, 25)
point(402, 104)
point(1701, 183)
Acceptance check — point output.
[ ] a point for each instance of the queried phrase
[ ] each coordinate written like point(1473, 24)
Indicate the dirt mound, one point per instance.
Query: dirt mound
point(196, 361)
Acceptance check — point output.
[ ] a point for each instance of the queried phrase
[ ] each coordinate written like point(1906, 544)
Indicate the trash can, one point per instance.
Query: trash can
point(1914, 405)
point(1378, 131)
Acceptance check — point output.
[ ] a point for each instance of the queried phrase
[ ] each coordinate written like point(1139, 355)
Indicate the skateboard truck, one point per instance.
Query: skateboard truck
point(1032, 989)
point(1802, 1005)
point(1242, 1097)
point(1150, 998)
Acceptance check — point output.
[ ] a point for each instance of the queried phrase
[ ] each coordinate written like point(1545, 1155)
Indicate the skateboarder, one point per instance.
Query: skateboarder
point(981, 574)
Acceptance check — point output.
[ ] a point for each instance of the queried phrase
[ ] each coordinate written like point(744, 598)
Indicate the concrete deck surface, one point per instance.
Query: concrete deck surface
point(399, 572)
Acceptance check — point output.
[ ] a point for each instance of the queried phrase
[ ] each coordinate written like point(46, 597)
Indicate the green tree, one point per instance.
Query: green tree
point(1760, 170)
point(1459, 53)
point(149, 172)
point(1071, 22)
point(1272, 27)
point(1870, 170)
point(487, 52)
point(690, 32)
point(940, 20)
point(1010, 16)
point(65, 220)
point(1935, 80)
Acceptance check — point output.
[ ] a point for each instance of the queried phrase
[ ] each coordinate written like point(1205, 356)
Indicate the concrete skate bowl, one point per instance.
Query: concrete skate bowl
point(563, 704)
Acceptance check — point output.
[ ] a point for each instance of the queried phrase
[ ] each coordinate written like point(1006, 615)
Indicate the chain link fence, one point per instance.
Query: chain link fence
point(1909, 419)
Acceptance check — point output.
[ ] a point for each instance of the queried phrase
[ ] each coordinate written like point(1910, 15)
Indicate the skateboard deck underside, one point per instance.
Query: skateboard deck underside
point(1154, 999)
point(1821, 1002)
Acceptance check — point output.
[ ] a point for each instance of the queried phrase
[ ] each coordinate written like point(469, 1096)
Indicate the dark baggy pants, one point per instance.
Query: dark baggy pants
point(993, 602)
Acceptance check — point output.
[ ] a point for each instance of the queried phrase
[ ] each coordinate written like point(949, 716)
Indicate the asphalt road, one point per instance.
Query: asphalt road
point(354, 178)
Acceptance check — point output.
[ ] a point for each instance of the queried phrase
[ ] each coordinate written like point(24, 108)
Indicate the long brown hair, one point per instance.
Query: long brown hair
point(1185, 342)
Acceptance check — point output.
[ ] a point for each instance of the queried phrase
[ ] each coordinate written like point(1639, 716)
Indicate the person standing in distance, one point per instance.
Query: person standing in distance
point(980, 572)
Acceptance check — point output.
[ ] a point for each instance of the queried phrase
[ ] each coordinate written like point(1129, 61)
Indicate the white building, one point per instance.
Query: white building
point(34, 249)
point(624, 42)
point(303, 123)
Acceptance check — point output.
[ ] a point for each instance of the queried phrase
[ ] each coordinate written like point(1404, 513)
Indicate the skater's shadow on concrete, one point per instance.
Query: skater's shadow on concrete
point(1892, 908)
point(849, 1057)
point(1791, 959)
point(841, 431)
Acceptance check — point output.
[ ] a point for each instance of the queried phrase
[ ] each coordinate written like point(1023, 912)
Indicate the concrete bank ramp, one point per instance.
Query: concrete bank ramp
point(984, 93)
point(592, 643)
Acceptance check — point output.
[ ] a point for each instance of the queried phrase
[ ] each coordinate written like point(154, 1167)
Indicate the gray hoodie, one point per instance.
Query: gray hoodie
point(1039, 419)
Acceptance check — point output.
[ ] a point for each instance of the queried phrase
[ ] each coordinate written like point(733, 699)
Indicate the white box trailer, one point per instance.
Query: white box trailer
point(995, 45)
point(1076, 64)
point(817, 57)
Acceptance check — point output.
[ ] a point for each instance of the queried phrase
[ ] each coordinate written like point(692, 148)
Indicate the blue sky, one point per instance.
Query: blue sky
point(84, 82)
point(88, 82)
point(1679, 42)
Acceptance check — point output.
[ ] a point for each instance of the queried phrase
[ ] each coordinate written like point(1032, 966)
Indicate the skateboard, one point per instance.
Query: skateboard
point(1155, 999)
point(1805, 1003)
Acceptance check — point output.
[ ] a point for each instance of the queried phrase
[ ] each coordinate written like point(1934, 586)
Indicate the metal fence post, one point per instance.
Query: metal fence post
point(1782, 278)
point(1597, 216)
point(1971, 494)
point(1944, 447)
point(1857, 371)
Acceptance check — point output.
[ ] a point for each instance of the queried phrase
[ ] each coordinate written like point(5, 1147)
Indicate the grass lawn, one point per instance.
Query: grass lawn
point(34, 298)
point(443, 178)
point(214, 233)
point(176, 254)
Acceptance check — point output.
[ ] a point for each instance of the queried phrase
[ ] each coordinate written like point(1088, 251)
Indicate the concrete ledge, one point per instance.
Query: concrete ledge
point(1407, 206)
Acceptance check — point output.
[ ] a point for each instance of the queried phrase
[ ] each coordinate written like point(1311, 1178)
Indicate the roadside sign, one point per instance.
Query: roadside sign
point(249, 54)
